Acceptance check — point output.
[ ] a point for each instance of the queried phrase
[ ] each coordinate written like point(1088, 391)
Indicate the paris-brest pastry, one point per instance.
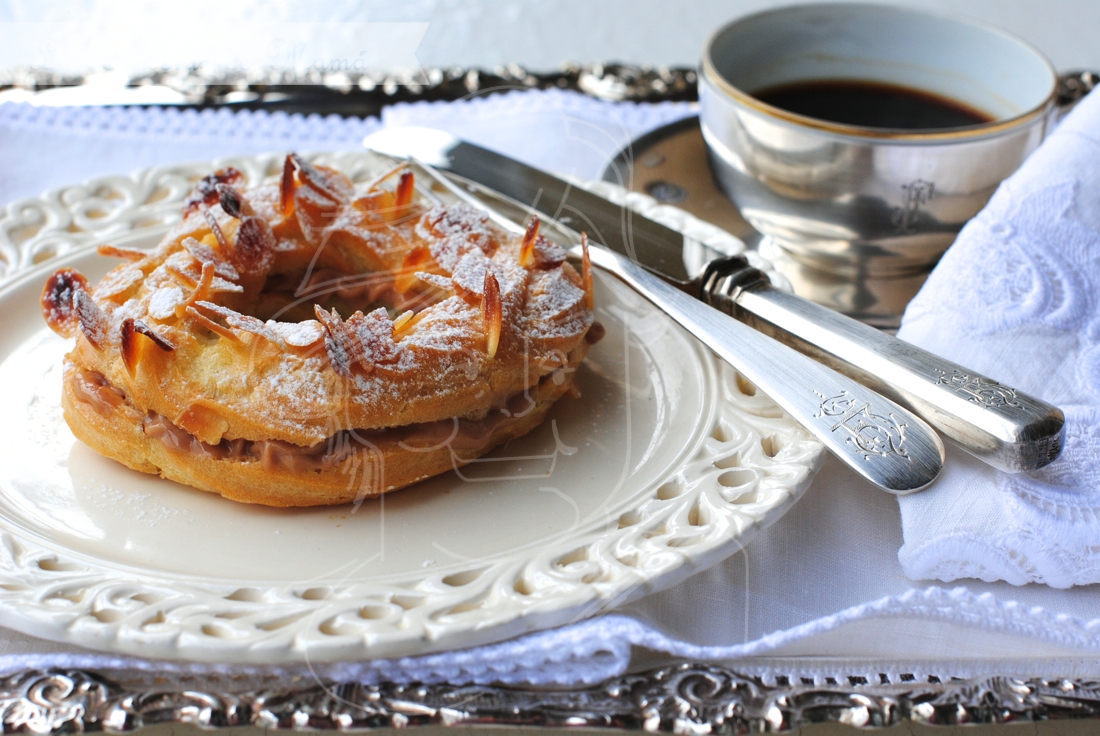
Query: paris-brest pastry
point(308, 341)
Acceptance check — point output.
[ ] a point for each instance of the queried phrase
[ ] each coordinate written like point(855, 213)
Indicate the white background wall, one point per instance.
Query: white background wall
point(539, 34)
point(543, 34)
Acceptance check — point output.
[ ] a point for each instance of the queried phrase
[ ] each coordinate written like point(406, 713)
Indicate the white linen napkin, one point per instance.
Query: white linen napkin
point(820, 593)
point(1017, 298)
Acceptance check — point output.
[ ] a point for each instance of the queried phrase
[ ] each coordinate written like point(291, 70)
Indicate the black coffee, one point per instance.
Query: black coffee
point(871, 105)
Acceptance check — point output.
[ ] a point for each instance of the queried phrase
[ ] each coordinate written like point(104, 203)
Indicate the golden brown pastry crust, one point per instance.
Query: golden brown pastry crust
point(194, 336)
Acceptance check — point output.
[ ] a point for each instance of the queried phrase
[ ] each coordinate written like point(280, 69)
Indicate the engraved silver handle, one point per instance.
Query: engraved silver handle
point(878, 439)
point(1072, 88)
point(997, 424)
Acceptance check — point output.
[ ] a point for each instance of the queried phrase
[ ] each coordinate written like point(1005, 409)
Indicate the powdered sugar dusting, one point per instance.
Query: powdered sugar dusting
point(119, 281)
point(469, 275)
point(548, 254)
point(440, 282)
point(555, 306)
point(450, 325)
point(206, 254)
point(298, 334)
point(454, 231)
point(183, 262)
point(163, 302)
point(250, 324)
point(298, 392)
point(130, 309)
point(220, 284)
point(375, 334)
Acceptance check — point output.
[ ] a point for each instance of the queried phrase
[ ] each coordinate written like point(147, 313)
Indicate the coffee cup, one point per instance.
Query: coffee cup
point(859, 196)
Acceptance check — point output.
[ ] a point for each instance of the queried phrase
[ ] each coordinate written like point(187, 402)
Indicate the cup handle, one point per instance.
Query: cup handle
point(1072, 88)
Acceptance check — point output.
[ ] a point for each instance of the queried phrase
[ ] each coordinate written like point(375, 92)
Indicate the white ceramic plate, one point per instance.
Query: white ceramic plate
point(667, 464)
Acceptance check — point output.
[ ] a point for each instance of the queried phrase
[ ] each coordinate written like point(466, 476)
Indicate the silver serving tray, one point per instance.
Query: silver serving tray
point(680, 698)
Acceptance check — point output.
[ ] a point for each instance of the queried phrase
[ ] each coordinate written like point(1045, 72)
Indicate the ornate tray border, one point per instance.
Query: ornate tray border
point(345, 91)
point(680, 699)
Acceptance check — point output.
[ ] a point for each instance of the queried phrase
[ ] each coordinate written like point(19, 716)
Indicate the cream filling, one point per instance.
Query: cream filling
point(93, 389)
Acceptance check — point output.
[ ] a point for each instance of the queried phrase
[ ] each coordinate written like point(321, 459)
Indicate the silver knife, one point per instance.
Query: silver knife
point(878, 439)
point(997, 424)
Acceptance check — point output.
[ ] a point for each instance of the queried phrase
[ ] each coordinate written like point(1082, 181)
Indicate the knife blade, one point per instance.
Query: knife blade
point(658, 248)
point(999, 425)
point(875, 437)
